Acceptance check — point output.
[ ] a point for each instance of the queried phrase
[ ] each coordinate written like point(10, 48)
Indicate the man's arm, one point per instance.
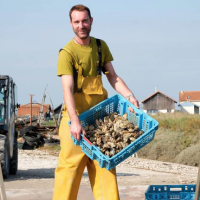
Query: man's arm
point(119, 85)
point(68, 94)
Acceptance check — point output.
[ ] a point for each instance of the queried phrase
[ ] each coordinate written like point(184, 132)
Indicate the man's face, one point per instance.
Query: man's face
point(81, 23)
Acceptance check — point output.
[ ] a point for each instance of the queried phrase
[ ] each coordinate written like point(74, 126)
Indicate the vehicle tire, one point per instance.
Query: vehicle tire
point(26, 130)
point(5, 156)
point(14, 159)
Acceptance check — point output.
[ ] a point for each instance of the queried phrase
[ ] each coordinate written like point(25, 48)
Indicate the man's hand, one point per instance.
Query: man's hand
point(76, 129)
point(134, 101)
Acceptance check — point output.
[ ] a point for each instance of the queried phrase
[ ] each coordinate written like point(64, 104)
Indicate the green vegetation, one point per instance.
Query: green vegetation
point(177, 139)
point(49, 123)
point(189, 124)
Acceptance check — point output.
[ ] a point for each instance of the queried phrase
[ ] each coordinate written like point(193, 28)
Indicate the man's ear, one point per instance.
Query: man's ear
point(70, 21)
point(91, 19)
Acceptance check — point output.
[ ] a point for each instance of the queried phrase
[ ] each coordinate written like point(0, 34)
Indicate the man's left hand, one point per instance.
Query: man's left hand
point(134, 101)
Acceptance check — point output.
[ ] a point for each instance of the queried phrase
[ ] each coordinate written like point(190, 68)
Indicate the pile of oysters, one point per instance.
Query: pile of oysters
point(112, 134)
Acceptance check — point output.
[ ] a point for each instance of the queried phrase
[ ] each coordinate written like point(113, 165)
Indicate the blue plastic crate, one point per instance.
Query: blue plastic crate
point(167, 192)
point(120, 105)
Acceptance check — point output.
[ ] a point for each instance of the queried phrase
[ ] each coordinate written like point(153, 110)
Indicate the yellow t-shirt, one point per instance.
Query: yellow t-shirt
point(86, 56)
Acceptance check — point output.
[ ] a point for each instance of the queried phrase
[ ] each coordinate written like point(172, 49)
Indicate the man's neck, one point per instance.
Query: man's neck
point(82, 42)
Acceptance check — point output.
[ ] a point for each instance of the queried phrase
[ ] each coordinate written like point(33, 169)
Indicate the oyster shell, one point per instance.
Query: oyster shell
point(91, 127)
point(112, 134)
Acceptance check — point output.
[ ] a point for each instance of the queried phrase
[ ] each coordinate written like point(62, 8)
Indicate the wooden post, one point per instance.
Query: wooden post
point(197, 186)
point(2, 188)
point(31, 110)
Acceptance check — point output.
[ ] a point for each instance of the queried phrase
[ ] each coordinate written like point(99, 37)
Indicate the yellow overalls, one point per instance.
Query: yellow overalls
point(72, 160)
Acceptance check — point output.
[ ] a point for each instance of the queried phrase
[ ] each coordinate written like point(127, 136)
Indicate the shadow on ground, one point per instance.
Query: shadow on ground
point(47, 173)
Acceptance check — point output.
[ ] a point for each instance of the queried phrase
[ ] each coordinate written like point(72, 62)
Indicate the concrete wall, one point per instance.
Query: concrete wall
point(165, 111)
point(189, 110)
point(26, 109)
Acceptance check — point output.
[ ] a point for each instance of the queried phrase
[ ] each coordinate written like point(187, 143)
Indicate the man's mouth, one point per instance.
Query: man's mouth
point(83, 31)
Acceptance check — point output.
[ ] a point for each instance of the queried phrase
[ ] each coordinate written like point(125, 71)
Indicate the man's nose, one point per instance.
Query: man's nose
point(81, 25)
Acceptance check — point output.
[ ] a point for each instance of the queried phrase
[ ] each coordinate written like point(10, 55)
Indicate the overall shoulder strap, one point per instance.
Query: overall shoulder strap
point(99, 62)
point(100, 67)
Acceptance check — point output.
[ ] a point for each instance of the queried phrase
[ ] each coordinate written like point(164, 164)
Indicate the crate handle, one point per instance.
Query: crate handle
point(178, 189)
point(87, 140)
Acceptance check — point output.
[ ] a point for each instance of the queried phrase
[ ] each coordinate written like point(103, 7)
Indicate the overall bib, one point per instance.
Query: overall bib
point(72, 160)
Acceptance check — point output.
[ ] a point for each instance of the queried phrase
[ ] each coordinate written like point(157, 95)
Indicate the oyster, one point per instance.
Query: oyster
point(113, 133)
point(91, 127)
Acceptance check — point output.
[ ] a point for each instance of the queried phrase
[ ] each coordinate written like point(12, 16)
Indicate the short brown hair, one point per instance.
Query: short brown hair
point(79, 7)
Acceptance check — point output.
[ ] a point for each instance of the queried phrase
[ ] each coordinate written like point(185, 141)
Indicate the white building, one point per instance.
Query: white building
point(189, 107)
point(189, 101)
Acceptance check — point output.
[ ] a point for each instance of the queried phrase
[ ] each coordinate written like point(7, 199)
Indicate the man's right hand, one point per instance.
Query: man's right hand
point(76, 129)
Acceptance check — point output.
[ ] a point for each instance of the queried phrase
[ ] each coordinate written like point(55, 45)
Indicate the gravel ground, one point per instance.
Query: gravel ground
point(36, 172)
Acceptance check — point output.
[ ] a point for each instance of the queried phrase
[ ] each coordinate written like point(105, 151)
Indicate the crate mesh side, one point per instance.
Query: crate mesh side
point(107, 109)
point(174, 196)
point(133, 118)
point(89, 119)
point(111, 107)
point(132, 148)
point(147, 139)
point(97, 114)
point(86, 149)
point(147, 123)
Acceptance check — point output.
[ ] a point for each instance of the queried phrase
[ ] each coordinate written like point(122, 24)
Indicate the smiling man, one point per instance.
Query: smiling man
point(80, 66)
point(81, 25)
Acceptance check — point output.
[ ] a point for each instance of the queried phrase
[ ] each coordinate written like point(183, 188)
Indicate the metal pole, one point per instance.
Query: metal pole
point(197, 186)
point(41, 115)
point(2, 188)
point(31, 110)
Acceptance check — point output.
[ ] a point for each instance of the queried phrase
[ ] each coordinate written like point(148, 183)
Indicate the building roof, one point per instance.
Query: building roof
point(58, 107)
point(47, 106)
point(158, 92)
point(189, 96)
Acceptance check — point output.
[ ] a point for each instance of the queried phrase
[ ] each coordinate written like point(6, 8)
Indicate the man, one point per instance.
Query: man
point(80, 69)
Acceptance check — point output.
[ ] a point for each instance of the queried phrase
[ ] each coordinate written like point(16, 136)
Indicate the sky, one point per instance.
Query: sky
point(155, 44)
